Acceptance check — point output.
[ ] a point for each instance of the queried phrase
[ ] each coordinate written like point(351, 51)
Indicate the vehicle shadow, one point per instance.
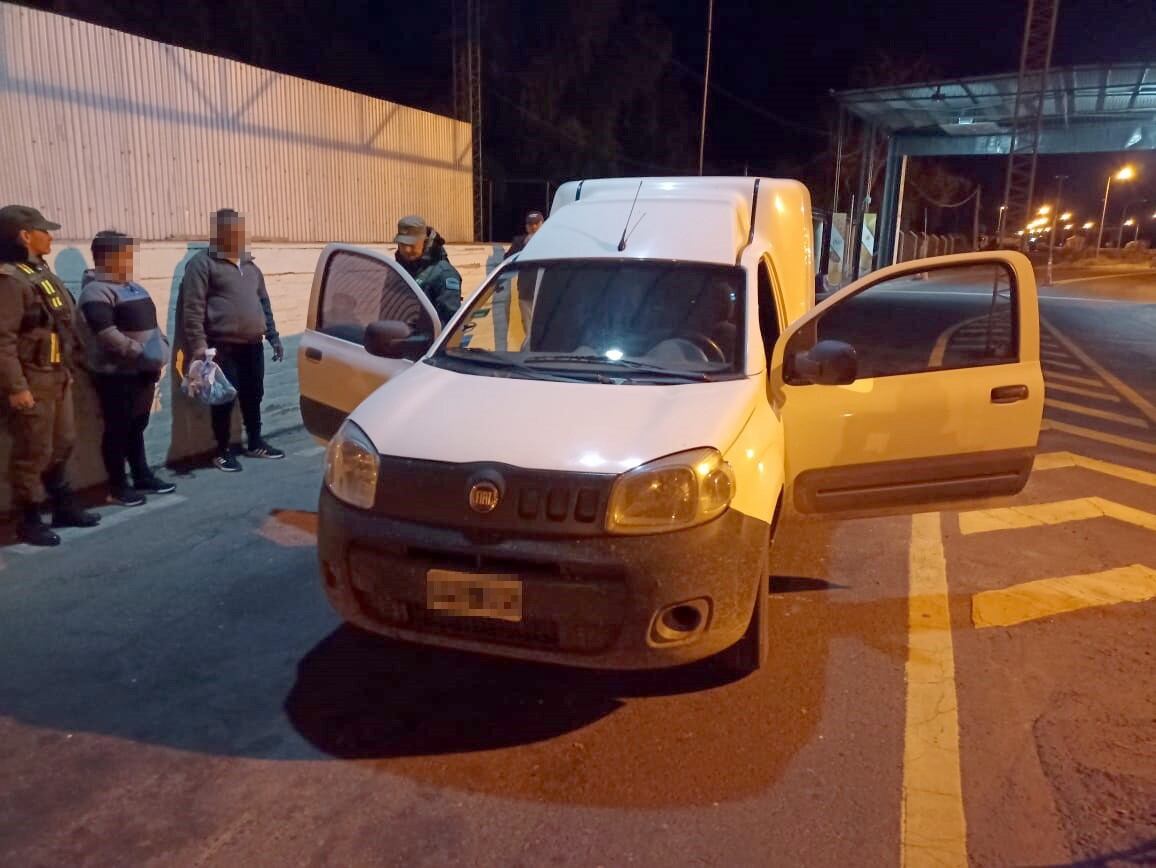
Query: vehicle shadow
point(688, 736)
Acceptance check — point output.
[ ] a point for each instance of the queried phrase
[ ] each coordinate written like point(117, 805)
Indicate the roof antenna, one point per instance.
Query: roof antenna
point(622, 241)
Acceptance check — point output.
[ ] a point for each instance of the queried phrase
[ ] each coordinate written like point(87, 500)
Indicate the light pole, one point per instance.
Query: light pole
point(1125, 174)
point(1125, 220)
point(999, 225)
point(705, 84)
point(1055, 217)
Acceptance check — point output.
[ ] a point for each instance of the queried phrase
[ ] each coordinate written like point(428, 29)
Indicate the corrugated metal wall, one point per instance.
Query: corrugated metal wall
point(102, 129)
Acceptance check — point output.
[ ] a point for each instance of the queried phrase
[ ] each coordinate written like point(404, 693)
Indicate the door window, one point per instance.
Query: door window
point(959, 316)
point(358, 290)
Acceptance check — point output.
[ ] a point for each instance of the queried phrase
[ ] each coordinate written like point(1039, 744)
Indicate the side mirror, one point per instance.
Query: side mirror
point(828, 363)
point(392, 339)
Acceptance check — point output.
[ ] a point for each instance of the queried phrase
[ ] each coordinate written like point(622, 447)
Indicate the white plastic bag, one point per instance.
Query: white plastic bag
point(206, 382)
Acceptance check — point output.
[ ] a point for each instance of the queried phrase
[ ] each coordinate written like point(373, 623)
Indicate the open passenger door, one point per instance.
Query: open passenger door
point(353, 288)
point(915, 387)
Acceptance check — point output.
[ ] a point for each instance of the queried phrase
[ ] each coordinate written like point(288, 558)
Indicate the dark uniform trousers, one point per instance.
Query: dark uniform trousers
point(41, 344)
point(42, 438)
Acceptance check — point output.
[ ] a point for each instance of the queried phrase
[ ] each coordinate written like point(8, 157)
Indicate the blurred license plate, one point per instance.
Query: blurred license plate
point(474, 594)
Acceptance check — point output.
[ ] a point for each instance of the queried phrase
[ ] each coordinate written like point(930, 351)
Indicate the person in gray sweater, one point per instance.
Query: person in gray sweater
point(126, 355)
point(225, 306)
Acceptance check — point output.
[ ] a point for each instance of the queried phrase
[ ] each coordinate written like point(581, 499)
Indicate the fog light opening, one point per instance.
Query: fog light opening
point(681, 621)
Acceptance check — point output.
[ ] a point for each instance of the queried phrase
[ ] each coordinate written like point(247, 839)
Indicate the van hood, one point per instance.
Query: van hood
point(434, 414)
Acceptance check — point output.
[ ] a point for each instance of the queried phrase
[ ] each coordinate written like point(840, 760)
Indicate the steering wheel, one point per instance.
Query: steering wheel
point(707, 345)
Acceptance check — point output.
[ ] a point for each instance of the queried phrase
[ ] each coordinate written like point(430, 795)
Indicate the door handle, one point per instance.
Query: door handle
point(1009, 394)
point(313, 354)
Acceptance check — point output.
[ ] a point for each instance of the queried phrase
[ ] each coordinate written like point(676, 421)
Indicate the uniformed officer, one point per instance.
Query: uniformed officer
point(39, 346)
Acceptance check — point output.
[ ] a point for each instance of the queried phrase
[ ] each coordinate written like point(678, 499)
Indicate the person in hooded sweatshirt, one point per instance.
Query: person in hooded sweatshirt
point(422, 253)
point(225, 307)
point(126, 356)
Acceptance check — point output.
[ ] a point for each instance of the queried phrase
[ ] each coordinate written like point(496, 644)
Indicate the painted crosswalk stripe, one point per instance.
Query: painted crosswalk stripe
point(1061, 460)
point(1079, 381)
point(1046, 598)
point(1080, 390)
point(1093, 434)
point(1049, 363)
point(1096, 413)
point(1052, 513)
point(1142, 404)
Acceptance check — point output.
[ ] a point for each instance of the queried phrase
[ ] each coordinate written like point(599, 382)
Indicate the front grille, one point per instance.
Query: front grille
point(529, 502)
point(482, 563)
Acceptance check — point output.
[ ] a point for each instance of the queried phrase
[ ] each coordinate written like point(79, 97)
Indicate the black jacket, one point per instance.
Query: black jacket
point(439, 280)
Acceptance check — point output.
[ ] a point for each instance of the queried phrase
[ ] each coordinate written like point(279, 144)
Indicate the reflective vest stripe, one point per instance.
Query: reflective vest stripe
point(54, 299)
point(54, 350)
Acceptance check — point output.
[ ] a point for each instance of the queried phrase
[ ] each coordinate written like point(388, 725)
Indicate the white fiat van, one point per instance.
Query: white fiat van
point(586, 465)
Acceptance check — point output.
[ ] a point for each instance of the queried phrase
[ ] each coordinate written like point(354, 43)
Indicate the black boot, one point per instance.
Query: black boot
point(34, 531)
point(65, 512)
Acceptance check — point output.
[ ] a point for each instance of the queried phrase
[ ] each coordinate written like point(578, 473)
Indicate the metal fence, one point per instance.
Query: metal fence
point(102, 129)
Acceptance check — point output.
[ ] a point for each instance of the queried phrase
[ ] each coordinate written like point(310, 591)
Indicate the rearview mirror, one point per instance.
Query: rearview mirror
point(828, 363)
point(392, 339)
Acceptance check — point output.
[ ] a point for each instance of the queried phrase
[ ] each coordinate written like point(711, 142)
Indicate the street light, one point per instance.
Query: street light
point(1125, 174)
point(1066, 216)
point(1089, 225)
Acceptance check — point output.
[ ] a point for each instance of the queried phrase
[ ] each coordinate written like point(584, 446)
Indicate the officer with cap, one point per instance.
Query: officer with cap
point(39, 346)
point(422, 253)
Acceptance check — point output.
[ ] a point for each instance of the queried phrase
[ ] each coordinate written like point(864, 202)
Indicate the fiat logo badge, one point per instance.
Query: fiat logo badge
point(484, 497)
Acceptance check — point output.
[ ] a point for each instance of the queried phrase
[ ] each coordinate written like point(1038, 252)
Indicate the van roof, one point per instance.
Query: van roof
point(705, 219)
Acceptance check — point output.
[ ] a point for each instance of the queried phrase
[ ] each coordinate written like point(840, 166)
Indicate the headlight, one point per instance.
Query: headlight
point(671, 493)
point(351, 464)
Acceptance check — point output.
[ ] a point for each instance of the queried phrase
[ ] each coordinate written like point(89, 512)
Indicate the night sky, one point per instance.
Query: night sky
point(783, 56)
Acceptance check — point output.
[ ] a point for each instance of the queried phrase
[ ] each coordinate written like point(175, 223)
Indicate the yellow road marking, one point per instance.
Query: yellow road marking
point(1068, 378)
point(933, 826)
point(1092, 434)
point(1056, 512)
point(1068, 365)
point(1047, 597)
point(1096, 413)
point(1142, 404)
point(1080, 390)
point(1057, 460)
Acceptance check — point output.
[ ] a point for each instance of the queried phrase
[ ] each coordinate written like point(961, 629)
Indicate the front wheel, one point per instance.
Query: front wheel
point(752, 650)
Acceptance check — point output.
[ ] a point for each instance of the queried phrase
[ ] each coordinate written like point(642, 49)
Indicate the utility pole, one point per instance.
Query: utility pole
point(705, 84)
point(1055, 216)
point(466, 26)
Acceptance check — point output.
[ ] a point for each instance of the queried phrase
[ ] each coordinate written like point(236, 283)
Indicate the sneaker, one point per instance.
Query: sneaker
point(122, 495)
point(261, 449)
point(153, 484)
point(227, 462)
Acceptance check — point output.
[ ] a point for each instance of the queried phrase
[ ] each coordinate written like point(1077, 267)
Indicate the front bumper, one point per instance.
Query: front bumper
point(588, 601)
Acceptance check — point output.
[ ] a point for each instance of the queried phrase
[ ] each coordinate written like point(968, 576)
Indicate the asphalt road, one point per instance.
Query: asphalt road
point(175, 690)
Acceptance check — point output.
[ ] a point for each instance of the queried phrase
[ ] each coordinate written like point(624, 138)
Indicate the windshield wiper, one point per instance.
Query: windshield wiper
point(488, 359)
point(631, 365)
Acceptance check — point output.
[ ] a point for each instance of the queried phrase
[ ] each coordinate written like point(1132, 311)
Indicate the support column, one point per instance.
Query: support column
point(891, 206)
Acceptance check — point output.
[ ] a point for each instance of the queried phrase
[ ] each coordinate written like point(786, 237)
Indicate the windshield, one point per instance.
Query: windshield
point(606, 321)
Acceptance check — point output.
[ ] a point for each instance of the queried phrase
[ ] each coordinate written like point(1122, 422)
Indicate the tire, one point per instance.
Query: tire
point(750, 653)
